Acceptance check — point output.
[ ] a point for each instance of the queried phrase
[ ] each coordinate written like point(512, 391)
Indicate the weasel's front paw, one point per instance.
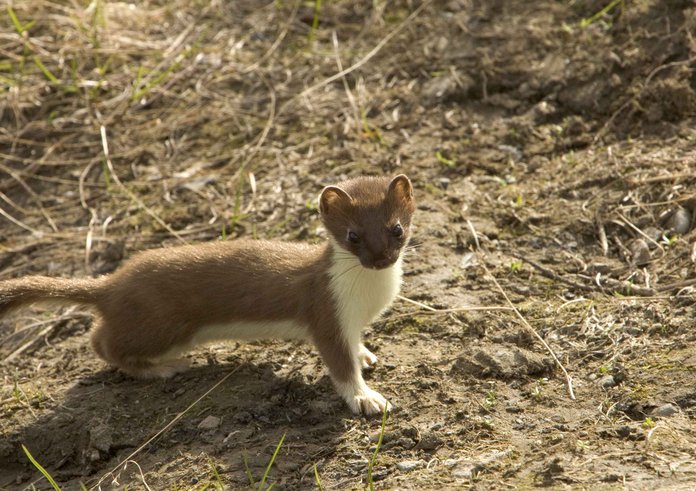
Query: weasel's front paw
point(369, 403)
point(366, 357)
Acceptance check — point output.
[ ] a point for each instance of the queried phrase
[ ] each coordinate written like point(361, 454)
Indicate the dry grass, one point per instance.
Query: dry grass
point(189, 112)
point(130, 126)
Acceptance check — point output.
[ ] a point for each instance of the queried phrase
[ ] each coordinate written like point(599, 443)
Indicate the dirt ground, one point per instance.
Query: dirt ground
point(552, 149)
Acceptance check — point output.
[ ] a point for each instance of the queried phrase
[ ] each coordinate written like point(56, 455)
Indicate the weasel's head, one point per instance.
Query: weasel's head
point(370, 217)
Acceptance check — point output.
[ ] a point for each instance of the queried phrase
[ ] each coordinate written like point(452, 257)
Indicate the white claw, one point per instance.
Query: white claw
point(366, 357)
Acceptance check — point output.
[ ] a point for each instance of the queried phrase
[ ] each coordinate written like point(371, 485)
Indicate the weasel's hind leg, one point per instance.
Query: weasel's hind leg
point(115, 351)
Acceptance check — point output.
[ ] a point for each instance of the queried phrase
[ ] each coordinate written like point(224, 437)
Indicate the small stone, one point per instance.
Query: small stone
point(464, 471)
point(612, 477)
point(665, 411)
point(209, 423)
point(380, 474)
point(468, 468)
point(513, 407)
point(542, 110)
point(514, 152)
point(444, 182)
point(640, 252)
point(655, 234)
point(387, 437)
point(242, 417)
point(410, 465)
point(602, 268)
point(405, 443)
point(438, 88)
point(680, 221)
point(607, 381)
point(456, 5)
point(429, 441)
point(625, 432)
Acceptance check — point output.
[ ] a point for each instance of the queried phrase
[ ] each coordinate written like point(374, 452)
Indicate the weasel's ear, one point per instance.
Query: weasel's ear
point(332, 197)
point(401, 189)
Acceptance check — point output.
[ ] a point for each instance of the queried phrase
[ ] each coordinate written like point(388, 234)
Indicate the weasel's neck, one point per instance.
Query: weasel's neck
point(360, 294)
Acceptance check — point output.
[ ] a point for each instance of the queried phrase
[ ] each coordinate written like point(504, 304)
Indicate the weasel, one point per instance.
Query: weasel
point(163, 302)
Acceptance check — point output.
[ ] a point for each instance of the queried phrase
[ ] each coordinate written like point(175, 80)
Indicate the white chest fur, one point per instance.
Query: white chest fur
point(361, 294)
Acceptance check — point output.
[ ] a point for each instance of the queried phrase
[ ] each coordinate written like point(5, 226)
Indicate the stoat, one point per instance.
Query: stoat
point(163, 302)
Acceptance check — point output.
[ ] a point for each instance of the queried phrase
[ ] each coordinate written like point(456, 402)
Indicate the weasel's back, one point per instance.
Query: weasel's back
point(216, 282)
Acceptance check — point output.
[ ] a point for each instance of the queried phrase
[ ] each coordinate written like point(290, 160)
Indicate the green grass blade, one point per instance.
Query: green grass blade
point(247, 470)
point(41, 469)
point(270, 464)
point(316, 478)
point(218, 481)
point(374, 454)
point(159, 78)
point(315, 21)
point(15, 21)
point(444, 160)
point(44, 69)
point(591, 20)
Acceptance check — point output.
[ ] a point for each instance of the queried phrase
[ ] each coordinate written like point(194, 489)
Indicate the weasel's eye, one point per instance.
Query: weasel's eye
point(353, 237)
point(397, 230)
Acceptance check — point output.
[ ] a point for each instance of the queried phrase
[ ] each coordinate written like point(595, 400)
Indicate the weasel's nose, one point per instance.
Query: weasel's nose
point(382, 262)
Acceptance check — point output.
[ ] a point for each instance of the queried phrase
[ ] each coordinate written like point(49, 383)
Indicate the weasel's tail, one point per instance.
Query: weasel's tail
point(23, 291)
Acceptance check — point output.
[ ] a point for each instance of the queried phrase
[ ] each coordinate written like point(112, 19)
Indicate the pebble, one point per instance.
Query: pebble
point(603, 268)
point(468, 468)
point(640, 252)
point(665, 411)
point(410, 465)
point(387, 437)
point(655, 234)
point(242, 417)
point(438, 88)
point(209, 423)
point(542, 110)
point(680, 221)
point(607, 381)
point(429, 442)
point(514, 152)
point(464, 471)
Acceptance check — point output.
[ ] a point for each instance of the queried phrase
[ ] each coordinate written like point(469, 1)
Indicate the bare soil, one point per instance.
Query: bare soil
point(554, 156)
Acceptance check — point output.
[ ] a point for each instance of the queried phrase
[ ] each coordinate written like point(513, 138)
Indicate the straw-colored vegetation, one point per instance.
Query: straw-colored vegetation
point(551, 145)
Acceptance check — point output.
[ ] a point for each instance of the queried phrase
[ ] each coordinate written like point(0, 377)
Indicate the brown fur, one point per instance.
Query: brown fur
point(158, 300)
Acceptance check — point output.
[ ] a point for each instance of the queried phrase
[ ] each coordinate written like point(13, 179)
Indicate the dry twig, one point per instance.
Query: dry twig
point(166, 428)
point(569, 380)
